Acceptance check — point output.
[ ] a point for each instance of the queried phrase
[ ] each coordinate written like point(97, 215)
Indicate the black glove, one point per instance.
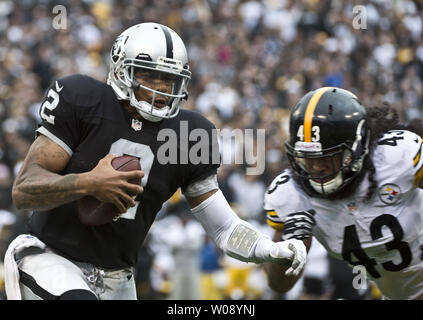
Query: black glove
point(299, 225)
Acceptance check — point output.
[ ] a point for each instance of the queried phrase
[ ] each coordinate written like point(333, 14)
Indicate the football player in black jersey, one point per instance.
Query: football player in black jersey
point(85, 124)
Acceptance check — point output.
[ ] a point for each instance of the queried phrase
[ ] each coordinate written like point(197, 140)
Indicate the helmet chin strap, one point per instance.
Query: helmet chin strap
point(139, 104)
point(147, 116)
point(328, 187)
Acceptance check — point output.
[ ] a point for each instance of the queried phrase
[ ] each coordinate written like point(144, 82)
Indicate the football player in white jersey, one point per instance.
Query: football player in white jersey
point(354, 183)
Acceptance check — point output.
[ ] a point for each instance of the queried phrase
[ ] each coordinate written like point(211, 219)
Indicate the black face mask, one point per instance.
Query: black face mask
point(5, 197)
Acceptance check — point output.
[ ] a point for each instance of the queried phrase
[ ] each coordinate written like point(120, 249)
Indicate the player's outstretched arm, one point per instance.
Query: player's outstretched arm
point(297, 225)
point(276, 274)
point(239, 239)
point(39, 186)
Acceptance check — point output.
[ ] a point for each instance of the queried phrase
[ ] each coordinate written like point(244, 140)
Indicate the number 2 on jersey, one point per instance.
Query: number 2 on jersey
point(50, 105)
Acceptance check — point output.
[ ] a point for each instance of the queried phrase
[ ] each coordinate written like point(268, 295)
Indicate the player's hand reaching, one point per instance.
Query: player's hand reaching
point(111, 186)
point(290, 251)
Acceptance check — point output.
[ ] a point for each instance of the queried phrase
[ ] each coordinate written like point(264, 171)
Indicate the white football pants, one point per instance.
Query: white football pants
point(46, 275)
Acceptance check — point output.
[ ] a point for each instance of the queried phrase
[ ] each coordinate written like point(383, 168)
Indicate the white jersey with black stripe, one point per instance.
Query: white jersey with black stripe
point(384, 234)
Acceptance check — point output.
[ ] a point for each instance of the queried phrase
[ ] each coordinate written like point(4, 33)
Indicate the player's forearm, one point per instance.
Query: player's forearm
point(40, 189)
point(239, 239)
point(276, 278)
point(225, 228)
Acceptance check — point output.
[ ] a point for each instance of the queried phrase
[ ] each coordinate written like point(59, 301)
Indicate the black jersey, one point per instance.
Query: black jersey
point(85, 118)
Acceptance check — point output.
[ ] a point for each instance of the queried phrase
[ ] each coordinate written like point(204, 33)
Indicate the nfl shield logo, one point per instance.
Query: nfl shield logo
point(389, 193)
point(351, 206)
point(136, 125)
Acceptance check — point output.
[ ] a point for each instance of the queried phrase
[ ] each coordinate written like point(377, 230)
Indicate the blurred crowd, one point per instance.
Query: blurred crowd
point(251, 61)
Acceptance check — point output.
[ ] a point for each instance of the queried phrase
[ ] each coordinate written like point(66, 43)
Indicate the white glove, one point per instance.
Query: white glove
point(290, 253)
point(292, 250)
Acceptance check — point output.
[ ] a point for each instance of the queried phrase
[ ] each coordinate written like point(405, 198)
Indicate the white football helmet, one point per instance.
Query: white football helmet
point(154, 47)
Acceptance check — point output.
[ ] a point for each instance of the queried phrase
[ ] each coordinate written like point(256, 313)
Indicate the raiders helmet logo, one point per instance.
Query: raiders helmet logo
point(117, 50)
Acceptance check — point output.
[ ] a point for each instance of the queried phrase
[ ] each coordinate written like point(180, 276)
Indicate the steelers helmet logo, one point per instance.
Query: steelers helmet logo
point(389, 193)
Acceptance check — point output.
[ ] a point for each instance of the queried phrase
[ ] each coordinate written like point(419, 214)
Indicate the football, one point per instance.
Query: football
point(92, 211)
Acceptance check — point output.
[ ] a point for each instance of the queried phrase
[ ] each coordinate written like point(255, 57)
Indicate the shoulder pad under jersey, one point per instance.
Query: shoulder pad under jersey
point(80, 90)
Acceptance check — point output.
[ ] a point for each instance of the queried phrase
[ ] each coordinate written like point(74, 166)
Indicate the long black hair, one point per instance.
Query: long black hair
point(380, 119)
